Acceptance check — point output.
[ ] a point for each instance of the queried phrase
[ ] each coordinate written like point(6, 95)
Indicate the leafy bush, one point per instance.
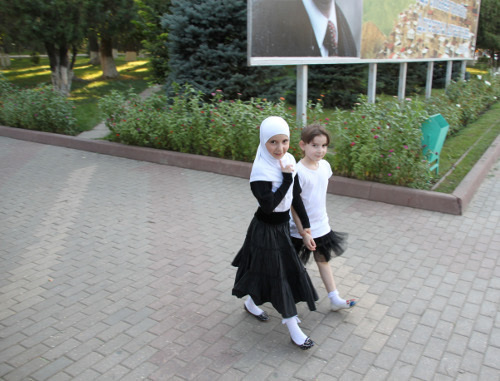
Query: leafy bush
point(473, 97)
point(41, 108)
point(381, 142)
point(221, 128)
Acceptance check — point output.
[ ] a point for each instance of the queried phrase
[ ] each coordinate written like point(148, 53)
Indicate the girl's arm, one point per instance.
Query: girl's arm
point(298, 205)
point(300, 217)
point(304, 233)
point(263, 192)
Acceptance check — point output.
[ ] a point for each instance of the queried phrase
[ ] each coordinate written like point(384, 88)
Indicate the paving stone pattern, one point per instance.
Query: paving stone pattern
point(115, 269)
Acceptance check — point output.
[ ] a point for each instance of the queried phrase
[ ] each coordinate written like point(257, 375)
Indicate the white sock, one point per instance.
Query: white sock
point(335, 298)
point(295, 332)
point(250, 305)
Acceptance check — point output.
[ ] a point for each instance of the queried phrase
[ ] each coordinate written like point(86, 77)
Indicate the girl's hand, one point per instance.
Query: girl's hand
point(287, 169)
point(309, 242)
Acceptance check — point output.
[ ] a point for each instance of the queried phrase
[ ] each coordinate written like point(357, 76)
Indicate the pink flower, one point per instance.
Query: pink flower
point(375, 137)
point(391, 150)
point(353, 143)
point(405, 146)
point(389, 174)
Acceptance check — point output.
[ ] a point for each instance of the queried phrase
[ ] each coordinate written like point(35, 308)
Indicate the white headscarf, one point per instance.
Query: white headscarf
point(265, 166)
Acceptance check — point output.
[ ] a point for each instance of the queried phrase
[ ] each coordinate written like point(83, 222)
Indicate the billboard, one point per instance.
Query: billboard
point(296, 32)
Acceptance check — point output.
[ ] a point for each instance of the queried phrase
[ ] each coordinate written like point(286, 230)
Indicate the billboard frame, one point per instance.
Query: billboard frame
point(302, 63)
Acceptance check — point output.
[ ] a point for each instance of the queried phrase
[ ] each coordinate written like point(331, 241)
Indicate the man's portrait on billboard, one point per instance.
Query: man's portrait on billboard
point(305, 28)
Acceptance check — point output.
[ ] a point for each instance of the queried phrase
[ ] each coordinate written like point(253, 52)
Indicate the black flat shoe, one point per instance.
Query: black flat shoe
point(307, 344)
point(262, 317)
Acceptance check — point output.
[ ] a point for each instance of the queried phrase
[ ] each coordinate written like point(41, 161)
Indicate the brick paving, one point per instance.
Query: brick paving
point(116, 269)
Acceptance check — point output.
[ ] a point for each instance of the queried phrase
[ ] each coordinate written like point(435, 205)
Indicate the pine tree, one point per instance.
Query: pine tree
point(488, 33)
point(154, 38)
point(207, 45)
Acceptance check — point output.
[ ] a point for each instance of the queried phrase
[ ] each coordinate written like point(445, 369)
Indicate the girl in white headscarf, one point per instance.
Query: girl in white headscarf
point(269, 269)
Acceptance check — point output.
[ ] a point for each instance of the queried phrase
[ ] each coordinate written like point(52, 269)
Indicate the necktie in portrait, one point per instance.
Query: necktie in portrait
point(330, 41)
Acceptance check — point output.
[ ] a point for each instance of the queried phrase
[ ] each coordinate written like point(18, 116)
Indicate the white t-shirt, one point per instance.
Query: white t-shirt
point(314, 184)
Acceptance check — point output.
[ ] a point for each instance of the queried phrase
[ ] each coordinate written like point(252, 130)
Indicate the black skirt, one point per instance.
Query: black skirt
point(330, 245)
point(269, 269)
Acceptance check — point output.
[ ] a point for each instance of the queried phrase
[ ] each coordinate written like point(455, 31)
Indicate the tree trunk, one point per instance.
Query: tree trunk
point(94, 49)
point(107, 62)
point(4, 59)
point(60, 68)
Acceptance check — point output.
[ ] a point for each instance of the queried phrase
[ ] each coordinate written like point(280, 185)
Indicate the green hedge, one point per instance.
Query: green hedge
point(378, 142)
point(41, 108)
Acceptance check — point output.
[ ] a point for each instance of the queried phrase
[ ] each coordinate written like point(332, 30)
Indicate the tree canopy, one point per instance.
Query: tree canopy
point(207, 46)
point(488, 34)
point(153, 36)
point(59, 25)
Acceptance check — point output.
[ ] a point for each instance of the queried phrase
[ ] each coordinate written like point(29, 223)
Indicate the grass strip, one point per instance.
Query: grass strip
point(482, 132)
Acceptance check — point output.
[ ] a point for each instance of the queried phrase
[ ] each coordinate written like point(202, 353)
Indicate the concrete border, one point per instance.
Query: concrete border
point(454, 203)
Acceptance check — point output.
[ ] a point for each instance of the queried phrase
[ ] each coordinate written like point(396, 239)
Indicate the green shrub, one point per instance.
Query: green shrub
point(472, 97)
point(381, 142)
point(378, 142)
point(184, 123)
point(41, 108)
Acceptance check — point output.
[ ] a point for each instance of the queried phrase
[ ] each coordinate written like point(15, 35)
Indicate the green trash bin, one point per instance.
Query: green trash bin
point(434, 131)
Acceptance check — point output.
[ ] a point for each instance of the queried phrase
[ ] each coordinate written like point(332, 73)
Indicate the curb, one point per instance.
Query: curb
point(454, 203)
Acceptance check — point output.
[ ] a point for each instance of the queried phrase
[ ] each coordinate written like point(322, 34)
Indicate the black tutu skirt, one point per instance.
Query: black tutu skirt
point(328, 246)
point(269, 269)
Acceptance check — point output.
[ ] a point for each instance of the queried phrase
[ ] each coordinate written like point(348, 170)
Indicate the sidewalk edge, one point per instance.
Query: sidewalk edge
point(454, 203)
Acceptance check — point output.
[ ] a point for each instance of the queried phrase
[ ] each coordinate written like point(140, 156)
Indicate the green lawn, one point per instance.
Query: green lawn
point(88, 86)
point(467, 147)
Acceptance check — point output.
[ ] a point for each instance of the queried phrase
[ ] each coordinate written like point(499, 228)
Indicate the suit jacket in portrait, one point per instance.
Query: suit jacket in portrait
point(281, 28)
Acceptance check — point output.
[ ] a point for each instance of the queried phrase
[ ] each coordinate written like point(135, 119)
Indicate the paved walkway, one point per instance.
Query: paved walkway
point(115, 269)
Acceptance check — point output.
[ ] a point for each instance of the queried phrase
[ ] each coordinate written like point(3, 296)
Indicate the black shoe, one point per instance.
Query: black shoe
point(262, 317)
point(307, 344)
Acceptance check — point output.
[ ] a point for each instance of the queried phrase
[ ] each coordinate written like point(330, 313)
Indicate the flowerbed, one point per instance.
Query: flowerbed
point(41, 108)
point(378, 142)
point(381, 142)
point(184, 123)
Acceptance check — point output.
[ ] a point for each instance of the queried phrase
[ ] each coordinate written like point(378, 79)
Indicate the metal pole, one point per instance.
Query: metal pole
point(463, 69)
point(449, 68)
point(301, 95)
point(403, 68)
point(372, 82)
point(428, 83)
